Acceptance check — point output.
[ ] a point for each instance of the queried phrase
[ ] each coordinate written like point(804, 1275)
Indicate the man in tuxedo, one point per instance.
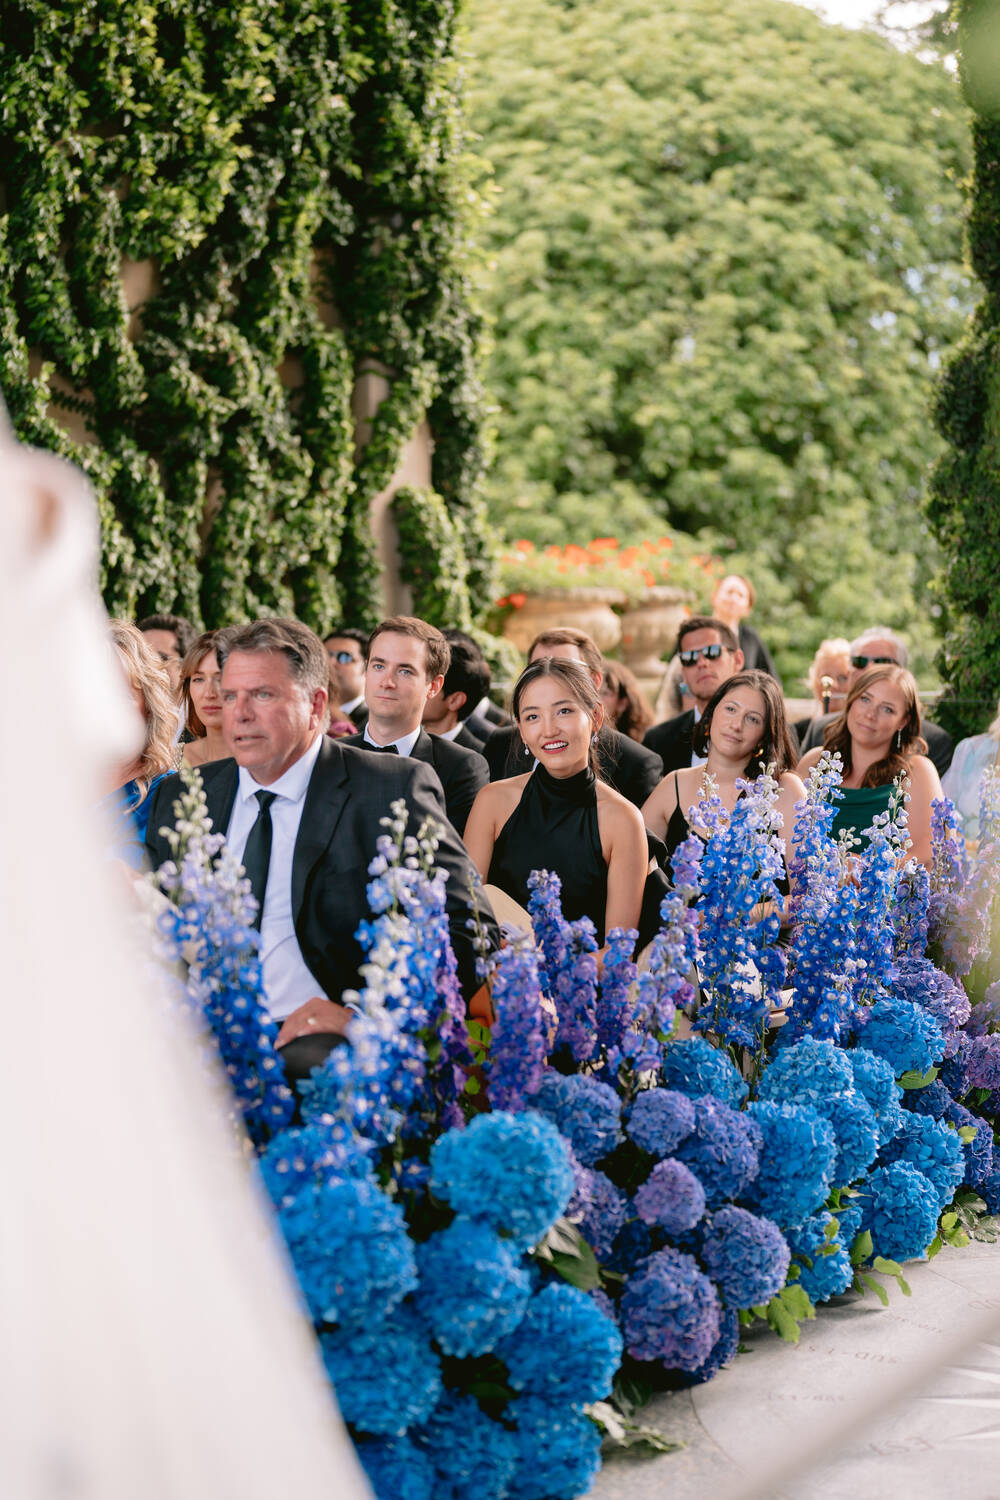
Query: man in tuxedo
point(872, 648)
point(345, 648)
point(709, 655)
point(302, 814)
point(447, 713)
point(623, 764)
point(406, 663)
point(484, 715)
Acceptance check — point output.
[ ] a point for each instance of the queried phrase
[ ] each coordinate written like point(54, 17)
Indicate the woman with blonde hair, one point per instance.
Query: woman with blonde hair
point(961, 782)
point(127, 803)
point(201, 697)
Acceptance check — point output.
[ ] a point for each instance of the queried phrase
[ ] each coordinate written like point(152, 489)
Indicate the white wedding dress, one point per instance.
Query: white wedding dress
point(152, 1346)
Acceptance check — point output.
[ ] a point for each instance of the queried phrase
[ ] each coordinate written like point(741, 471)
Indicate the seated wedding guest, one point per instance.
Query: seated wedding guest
point(447, 713)
point(880, 647)
point(878, 737)
point(961, 782)
point(732, 601)
point(302, 812)
point(741, 732)
point(170, 636)
point(827, 680)
point(708, 654)
point(345, 648)
point(201, 695)
point(485, 716)
point(630, 768)
point(559, 815)
point(626, 707)
point(406, 663)
point(128, 803)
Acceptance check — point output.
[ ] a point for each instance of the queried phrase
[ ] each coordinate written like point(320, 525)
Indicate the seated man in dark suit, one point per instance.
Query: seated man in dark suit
point(709, 655)
point(871, 648)
point(406, 663)
point(624, 765)
point(447, 713)
point(484, 716)
point(345, 647)
point(302, 814)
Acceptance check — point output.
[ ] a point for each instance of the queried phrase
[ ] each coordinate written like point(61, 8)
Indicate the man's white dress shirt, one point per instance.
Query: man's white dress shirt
point(404, 745)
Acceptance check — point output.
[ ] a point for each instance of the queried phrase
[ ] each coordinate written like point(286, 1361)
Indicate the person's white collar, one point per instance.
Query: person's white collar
point(404, 745)
point(348, 708)
point(292, 784)
point(450, 734)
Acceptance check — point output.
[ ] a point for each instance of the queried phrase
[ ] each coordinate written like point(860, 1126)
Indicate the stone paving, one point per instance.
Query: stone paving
point(874, 1402)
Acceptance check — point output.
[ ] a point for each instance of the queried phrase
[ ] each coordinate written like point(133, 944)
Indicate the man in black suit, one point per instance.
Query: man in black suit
point(345, 647)
point(406, 663)
point(483, 715)
point(447, 713)
point(709, 654)
point(872, 648)
point(623, 764)
point(302, 813)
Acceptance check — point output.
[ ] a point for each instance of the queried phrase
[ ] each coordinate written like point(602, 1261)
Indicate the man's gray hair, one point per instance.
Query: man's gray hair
point(305, 653)
point(882, 633)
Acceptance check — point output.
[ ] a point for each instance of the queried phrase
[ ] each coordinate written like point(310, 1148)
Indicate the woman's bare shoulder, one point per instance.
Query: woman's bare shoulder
point(618, 809)
point(924, 773)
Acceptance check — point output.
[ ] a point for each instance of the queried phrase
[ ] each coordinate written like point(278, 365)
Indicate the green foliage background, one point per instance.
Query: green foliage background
point(726, 265)
point(965, 507)
point(277, 160)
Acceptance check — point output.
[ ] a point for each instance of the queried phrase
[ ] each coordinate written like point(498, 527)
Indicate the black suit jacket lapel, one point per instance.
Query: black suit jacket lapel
point(423, 748)
point(326, 798)
point(220, 794)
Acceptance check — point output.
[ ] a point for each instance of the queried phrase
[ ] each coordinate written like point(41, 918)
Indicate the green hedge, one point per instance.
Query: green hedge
point(276, 160)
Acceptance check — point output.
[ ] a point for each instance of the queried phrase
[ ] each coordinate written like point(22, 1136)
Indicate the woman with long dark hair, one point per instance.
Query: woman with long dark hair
point(878, 738)
point(560, 816)
point(741, 733)
point(625, 704)
point(201, 695)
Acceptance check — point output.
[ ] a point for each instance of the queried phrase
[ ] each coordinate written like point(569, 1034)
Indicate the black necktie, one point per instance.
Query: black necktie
point(257, 854)
point(382, 749)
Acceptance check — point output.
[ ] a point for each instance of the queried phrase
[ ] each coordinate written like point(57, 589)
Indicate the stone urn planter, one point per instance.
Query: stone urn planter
point(589, 609)
point(649, 629)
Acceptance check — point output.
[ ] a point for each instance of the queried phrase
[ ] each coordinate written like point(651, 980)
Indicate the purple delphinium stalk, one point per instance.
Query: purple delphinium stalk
point(518, 1041)
point(568, 966)
point(614, 1002)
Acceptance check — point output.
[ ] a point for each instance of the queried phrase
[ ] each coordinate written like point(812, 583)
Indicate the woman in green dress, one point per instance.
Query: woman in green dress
point(878, 737)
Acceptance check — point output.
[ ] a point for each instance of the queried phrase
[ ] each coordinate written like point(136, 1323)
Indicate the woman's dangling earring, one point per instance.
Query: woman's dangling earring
point(899, 739)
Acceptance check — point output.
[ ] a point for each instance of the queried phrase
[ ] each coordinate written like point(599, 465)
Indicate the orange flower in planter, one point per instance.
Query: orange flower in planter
point(524, 545)
point(517, 600)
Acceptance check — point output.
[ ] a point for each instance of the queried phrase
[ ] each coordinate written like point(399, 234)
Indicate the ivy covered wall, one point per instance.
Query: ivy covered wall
point(213, 218)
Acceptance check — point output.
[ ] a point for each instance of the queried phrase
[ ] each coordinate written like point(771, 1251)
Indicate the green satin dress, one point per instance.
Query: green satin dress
point(857, 808)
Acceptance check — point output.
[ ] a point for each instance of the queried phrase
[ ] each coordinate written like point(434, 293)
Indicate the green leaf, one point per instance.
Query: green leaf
point(781, 1321)
point(862, 1248)
point(935, 1247)
point(968, 1132)
point(569, 1255)
point(473, 1086)
point(876, 1287)
point(798, 1302)
point(630, 1394)
point(620, 1432)
point(915, 1080)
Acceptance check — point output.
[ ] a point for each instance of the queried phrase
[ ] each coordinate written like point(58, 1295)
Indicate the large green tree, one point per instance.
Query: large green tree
point(727, 262)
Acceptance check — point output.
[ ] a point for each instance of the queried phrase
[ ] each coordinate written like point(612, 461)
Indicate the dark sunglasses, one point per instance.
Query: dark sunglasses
point(878, 661)
point(344, 657)
point(710, 653)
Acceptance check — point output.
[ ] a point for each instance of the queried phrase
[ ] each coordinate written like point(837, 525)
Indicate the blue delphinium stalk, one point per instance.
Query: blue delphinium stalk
point(963, 891)
point(518, 1046)
point(568, 965)
point(511, 1171)
point(911, 914)
point(670, 1311)
point(877, 879)
point(208, 927)
point(746, 1256)
point(664, 985)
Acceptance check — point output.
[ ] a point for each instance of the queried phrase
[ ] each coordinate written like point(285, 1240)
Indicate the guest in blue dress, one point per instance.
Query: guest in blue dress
point(126, 807)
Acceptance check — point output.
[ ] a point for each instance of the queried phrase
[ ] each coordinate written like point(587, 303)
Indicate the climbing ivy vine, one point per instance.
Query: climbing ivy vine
point(291, 181)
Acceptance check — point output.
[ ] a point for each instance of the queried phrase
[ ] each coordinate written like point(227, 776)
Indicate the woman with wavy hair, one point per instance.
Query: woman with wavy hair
point(149, 684)
point(878, 739)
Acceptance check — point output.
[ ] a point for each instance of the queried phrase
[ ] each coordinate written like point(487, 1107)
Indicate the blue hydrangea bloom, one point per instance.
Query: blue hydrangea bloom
point(978, 1152)
point(723, 1351)
point(933, 1100)
point(990, 1190)
point(564, 1349)
point(472, 1288)
point(920, 981)
point(632, 1243)
point(722, 1150)
point(558, 1451)
point(900, 1209)
point(352, 1254)
point(474, 1455)
point(659, 1120)
point(798, 1150)
point(856, 1130)
point(805, 1073)
point(670, 1311)
point(511, 1170)
point(934, 1149)
point(694, 1067)
point(397, 1469)
point(671, 1198)
point(906, 1035)
point(850, 1219)
point(587, 1112)
point(829, 1275)
point(598, 1208)
point(387, 1377)
point(875, 1080)
point(747, 1257)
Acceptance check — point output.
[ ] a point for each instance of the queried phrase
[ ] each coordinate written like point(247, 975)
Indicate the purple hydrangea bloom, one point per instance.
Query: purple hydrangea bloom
point(659, 1120)
point(564, 1349)
point(671, 1198)
point(919, 981)
point(632, 1244)
point(694, 1067)
point(830, 1273)
point(797, 1154)
point(978, 1152)
point(722, 1352)
point(746, 1256)
point(472, 1288)
point(670, 1311)
point(722, 1150)
point(587, 1112)
point(875, 1080)
point(513, 1171)
point(598, 1208)
point(934, 1149)
point(933, 1100)
point(990, 1189)
point(904, 1034)
point(900, 1208)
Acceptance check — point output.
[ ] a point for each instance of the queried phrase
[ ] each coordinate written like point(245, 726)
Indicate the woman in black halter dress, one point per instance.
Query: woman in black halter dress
point(560, 816)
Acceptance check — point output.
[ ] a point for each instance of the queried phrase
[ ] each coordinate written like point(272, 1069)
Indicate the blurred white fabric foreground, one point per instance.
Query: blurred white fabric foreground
point(151, 1343)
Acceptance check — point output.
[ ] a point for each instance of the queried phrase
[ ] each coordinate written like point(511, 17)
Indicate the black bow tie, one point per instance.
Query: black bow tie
point(381, 749)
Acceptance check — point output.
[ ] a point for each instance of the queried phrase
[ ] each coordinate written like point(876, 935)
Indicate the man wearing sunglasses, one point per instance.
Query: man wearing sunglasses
point(709, 655)
point(345, 650)
point(876, 647)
